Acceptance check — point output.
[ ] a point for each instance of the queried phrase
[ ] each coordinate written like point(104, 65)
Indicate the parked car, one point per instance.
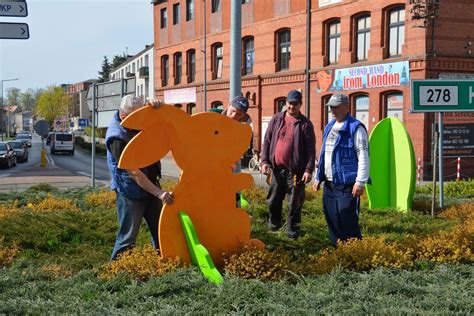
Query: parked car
point(7, 155)
point(24, 137)
point(20, 149)
point(49, 138)
point(62, 142)
point(25, 133)
point(79, 132)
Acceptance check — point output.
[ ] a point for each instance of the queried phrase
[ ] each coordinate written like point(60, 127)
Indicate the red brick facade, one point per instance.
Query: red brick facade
point(448, 48)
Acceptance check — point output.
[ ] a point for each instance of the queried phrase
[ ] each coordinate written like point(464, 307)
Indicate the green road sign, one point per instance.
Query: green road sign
point(442, 95)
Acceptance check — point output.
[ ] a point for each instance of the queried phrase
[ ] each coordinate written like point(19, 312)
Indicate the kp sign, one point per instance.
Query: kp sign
point(13, 8)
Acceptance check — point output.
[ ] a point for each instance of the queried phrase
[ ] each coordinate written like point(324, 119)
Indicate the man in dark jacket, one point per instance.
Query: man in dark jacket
point(289, 151)
point(138, 192)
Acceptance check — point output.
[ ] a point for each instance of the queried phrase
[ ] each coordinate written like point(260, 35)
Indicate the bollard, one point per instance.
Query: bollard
point(43, 158)
point(458, 173)
point(418, 172)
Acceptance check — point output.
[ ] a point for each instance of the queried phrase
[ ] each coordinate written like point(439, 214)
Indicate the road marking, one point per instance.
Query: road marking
point(5, 175)
point(50, 159)
point(84, 173)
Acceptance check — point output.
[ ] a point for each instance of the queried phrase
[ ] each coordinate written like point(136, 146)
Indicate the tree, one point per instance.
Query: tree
point(118, 60)
point(13, 96)
point(27, 100)
point(52, 104)
point(105, 73)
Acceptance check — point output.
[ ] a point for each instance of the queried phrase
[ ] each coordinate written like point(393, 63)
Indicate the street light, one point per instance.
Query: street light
point(1, 111)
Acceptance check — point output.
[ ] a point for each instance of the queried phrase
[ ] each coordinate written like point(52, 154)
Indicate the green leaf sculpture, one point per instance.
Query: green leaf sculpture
point(198, 253)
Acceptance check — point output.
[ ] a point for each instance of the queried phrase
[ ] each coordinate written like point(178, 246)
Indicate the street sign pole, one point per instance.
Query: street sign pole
point(94, 99)
point(441, 173)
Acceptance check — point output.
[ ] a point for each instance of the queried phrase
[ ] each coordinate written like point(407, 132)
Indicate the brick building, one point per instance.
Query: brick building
point(369, 50)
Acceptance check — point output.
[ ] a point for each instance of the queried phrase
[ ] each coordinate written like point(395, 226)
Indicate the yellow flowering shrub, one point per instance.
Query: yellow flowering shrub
point(8, 210)
point(140, 263)
point(455, 246)
point(255, 194)
point(7, 254)
point(101, 199)
point(464, 212)
point(251, 263)
point(52, 204)
point(361, 255)
point(54, 271)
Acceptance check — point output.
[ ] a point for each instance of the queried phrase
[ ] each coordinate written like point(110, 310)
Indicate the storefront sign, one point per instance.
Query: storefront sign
point(458, 134)
point(366, 77)
point(323, 3)
point(185, 95)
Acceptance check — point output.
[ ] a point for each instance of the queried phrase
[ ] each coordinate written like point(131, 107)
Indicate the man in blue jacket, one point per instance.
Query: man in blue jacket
point(138, 191)
point(344, 168)
point(289, 152)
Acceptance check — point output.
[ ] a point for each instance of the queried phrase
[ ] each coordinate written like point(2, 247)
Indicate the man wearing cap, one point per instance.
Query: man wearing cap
point(344, 168)
point(237, 110)
point(289, 152)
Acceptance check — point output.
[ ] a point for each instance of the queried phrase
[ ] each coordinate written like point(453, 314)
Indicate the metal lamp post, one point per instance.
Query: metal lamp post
point(1, 111)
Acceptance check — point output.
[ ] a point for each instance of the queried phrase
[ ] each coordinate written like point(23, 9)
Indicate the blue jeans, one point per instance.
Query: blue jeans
point(130, 213)
point(341, 210)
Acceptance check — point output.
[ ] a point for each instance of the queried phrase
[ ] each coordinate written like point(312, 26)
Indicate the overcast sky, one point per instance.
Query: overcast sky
point(69, 39)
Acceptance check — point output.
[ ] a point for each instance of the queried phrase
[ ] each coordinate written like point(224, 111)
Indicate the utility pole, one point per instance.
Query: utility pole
point(205, 56)
point(235, 49)
point(1, 109)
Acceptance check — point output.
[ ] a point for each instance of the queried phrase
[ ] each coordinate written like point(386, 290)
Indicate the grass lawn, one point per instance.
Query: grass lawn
point(53, 245)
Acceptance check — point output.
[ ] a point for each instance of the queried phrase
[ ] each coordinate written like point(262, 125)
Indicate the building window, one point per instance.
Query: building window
point(217, 60)
point(334, 40)
point(191, 108)
point(217, 105)
point(146, 60)
point(396, 31)
point(363, 37)
point(394, 105)
point(283, 49)
point(191, 60)
point(164, 17)
point(133, 67)
point(326, 111)
point(178, 68)
point(248, 55)
point(216, 6)
point(165, 72)
point(361, 109)
point(280, 104)
point(189, 10)
point(176, 13)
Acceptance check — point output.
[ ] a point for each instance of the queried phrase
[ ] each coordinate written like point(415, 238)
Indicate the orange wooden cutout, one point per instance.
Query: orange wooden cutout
point(204, 146)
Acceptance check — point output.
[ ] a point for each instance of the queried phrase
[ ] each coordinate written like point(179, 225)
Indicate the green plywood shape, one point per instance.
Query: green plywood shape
point(198, 253)
point(392, 166)
point(243, 202)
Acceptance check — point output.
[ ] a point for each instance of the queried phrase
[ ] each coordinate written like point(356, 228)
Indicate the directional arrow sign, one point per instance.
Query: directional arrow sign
point(14, 31)
point(13, 8)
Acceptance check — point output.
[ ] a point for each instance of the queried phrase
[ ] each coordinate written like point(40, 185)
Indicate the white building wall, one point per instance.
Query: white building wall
point(144, 86)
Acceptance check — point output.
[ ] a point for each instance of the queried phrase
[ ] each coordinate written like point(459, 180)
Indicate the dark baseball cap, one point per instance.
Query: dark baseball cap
point(294, 96)
point(338, 99)
point(240, 102)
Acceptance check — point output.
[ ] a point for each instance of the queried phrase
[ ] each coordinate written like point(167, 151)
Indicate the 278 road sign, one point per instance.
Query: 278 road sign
point(442, 95)
point(14, 30)
point(13, 8)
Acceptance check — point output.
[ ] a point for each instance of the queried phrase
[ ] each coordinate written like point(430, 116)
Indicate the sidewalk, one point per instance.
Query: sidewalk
point(64, 179)
point(51, 174)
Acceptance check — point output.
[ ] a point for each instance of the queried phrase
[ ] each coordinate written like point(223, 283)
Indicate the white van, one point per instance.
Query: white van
point(62, 142)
